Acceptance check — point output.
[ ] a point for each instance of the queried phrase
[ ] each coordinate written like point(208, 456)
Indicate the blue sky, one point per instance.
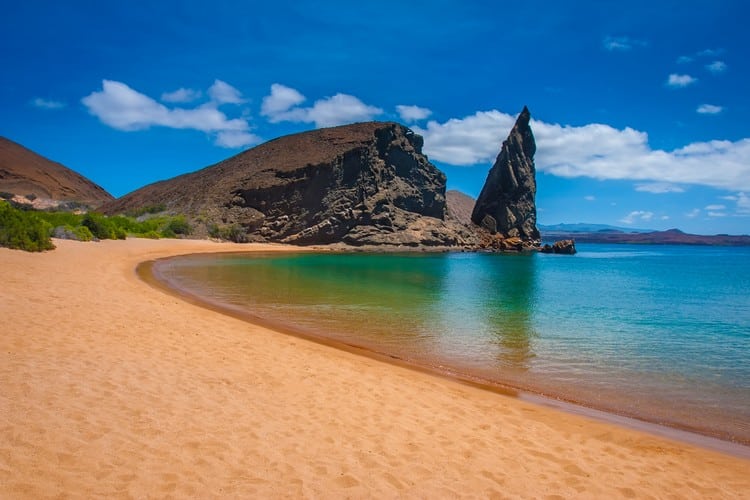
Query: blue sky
point(640, 108)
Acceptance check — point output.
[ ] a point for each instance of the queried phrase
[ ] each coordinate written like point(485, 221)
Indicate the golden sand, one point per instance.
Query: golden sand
point(112, 388)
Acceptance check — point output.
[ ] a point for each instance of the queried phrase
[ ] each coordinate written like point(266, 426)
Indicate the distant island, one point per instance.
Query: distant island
point(589, 233)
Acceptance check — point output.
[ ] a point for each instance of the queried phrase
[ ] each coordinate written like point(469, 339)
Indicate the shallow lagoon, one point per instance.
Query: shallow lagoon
point(660, 333)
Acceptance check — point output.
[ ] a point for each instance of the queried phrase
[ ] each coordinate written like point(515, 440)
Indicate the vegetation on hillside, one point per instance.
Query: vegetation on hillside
point(31, 230)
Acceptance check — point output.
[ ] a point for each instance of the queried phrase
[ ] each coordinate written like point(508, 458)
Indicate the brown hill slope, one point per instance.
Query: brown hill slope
point(360, 184)
point(459, 206)
point(23, 172)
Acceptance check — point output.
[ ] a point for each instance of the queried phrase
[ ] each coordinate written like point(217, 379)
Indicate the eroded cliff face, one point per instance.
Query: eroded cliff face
point(506, 206)
point(361, 184)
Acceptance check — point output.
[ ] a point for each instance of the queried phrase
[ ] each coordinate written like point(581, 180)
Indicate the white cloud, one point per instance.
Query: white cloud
point(236, 139)
point(339, 109)
point(679, 81)
point(664, 217)
point(47, 103)
point(684, 59)
point(742, 202)
point(658, 188)
point(637, 215)
point(717, 214)
point(716, 207)
point(223, 93)
point(467, 141)
point(709, 109)
point(693, 213)
point(590, 198)
point(710, 52)
point(181, 95)
point(123, 108)
point(595, 150)
point(717, 67)
point(412, 113)
point(279, 101)
point(621, 43)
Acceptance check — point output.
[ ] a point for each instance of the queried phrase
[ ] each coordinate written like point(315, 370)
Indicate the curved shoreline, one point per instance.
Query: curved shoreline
point(112, 388)
point(148, 272)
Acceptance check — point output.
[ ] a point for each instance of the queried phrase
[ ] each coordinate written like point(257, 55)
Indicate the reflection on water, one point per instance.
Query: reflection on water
point(487, 304)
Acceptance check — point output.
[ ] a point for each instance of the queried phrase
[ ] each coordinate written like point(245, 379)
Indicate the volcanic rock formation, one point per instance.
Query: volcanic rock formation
point(27, 174)
point(360, 184)
point(506, 206)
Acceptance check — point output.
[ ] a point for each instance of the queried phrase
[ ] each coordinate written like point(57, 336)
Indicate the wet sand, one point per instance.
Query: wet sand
point(110, 387)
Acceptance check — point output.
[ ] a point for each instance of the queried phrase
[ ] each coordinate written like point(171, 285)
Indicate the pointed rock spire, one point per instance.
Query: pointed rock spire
point(506, 204)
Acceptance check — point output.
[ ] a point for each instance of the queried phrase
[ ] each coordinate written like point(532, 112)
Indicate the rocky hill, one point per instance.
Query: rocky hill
point(34, 178)
point(506, 206)
point(459, 206)
point(360, 184)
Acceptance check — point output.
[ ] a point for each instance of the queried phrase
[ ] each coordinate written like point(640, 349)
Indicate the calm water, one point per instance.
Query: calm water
point(661, 333)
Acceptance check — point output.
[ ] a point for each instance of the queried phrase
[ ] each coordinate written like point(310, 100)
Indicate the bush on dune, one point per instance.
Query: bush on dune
point(23, 230)
point(31, 230)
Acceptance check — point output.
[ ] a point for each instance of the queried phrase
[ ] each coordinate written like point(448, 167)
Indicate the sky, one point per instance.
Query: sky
point(640, 109)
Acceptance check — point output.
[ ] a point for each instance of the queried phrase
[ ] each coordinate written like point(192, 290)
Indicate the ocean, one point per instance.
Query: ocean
point(656, 333)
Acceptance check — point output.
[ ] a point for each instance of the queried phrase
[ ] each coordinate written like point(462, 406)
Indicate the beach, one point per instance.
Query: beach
point(113, 388)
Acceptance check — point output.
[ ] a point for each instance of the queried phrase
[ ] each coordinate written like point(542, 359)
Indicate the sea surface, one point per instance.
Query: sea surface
point(658, 333)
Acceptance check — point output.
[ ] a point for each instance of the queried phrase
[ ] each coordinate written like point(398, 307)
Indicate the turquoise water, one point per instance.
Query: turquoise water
point(660, 333)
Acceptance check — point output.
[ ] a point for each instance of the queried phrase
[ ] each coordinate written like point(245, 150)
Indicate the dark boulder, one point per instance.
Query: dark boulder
point(564, 247)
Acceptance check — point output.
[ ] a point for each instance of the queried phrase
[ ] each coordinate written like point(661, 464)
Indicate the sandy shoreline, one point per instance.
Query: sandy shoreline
point(112, 388)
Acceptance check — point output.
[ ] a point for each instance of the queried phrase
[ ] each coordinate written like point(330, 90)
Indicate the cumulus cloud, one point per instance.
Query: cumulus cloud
point(742, 202)
point(710, 52)
point(412, 113)
point(282, 105)
point(278, 103)
point(684, 59)
point(236, 138)
point(590, 198)
point(595, 150)
point(124, 108)
point(680, 81)
point(709, 109)
point(621, 43)
point(223, 93)
point(658, 188)
point(716, 207)
point(181, 95)
point(693, 213)
point(717, 67)
point(469, 140)
point(47, 103)
point(636, 216)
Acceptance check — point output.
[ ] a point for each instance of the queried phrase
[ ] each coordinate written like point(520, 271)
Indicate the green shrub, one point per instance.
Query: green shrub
point(151, 209)
point(58, 218)
point(23, 230)
point(82, 233)
point(177, 225)
point(105, 228)
point(235, 233)
point(151, 234)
